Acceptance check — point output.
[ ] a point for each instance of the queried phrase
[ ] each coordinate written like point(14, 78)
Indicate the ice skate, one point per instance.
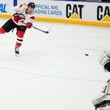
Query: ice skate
point(17, 51)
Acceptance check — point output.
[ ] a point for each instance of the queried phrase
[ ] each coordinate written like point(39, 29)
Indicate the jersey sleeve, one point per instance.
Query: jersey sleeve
point(29, 18)
point(20, 8)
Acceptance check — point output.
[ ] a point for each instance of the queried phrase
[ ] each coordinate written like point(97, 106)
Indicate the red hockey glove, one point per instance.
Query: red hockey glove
point(18, 17)
point(28, 24)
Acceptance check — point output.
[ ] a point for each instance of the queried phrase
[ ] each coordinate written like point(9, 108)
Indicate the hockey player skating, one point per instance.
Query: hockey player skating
point(105, 61)
point(102, 102)
point(21, 20)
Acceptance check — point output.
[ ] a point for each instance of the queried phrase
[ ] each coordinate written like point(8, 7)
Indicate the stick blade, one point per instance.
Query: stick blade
point(47, 32)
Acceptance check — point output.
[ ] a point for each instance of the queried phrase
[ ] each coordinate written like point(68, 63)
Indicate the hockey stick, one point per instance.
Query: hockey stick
point(47, 32)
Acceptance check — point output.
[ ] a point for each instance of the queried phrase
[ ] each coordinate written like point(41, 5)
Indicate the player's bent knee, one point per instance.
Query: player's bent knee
point(20, 33)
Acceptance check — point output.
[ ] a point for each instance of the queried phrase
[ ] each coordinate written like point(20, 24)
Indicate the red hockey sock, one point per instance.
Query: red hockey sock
point(20, 35)
point(2, 31)
point(18, 44)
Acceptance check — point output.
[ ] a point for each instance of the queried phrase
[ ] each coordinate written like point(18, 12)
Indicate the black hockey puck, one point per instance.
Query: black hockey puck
point(86, 54)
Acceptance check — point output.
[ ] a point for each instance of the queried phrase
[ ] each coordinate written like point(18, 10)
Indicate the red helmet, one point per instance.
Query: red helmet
point(31, 4)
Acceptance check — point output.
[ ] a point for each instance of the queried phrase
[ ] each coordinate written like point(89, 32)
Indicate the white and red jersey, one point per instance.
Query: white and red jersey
point(25, 17)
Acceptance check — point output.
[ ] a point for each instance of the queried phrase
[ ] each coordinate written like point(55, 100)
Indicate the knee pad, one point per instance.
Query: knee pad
point(20, 33)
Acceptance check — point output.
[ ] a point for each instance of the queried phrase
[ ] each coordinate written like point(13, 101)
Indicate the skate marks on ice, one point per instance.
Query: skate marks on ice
point(32, 75)
point(56, 64)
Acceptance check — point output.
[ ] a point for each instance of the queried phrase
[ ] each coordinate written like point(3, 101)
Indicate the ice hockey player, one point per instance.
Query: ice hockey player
point(105, 61)
point(22, 20)
point(102, 102)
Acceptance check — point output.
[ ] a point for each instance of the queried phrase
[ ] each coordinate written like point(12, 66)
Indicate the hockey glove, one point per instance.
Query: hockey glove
point(28, 25)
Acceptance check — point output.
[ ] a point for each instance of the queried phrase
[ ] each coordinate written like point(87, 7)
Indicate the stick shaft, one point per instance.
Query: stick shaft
point(40, 30)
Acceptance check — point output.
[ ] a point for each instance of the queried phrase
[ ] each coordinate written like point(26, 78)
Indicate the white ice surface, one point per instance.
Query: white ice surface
point(52, 72)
